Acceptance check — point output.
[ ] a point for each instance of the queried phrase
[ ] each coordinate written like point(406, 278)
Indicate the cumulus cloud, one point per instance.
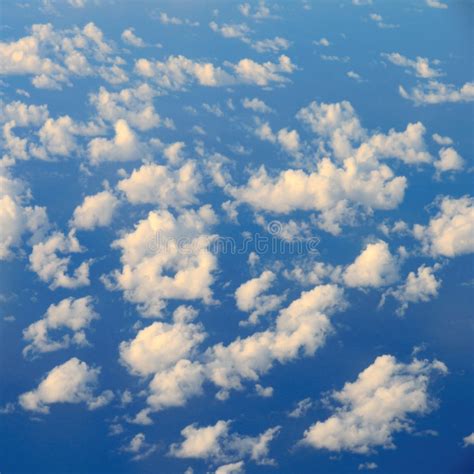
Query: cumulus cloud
point(256, 105)
point(52, 268)
point(71, 382)
point(54, 57)
point(420, 66)
point(217, 443)
point(300, 329)
point(449, 160)
point(166, 257)
point(95, 211)
point(450, 232)
point(250, 296)
point(468, 440)
point(374, 267)
point(129, 37)
point(139, 447)
point(438, 93)
point(436, 4)
point(157, 184)
point(421, 286)
point(70, 313)
point(379, 404)
point(134, 105)
point(17, 218)
point(124, 146)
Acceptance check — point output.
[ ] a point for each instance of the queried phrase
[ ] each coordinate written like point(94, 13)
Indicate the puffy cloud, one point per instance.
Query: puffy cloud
point(51, 268)
point(374, 267)
point(299, 329)
point(139, 447)
point(250, 298)
point(24, 115)
point(16, 219)
point(95, 211)
point(256, 12)
point(231, 468)
point(166, 257)
point(52, 57)
point(71, 382)
point(420, 66)
point(418, 287)
point(165, 19)
point(468, 440)
point(161, 345)
point(451, 232)
point(134, 105)
point(449, 160)
point(301, 408)
point(230, 31)
point(177, 72)
point(70, 313)
point(329, 190)
point(157, 184)
point(440, 140)
point(438, 93)
point(124, 146)
point(129, 37)
point(215, 442)
point(377, 405)
point(436, 4)
point(269, 45)
point(256, 105)
point(265, 392)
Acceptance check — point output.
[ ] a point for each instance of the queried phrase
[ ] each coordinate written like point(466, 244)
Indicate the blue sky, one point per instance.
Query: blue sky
point(236, 237)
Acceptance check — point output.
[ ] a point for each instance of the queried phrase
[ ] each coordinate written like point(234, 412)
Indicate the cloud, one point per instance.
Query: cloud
point(124, 146)
point(256, 105)
point(468, 440)
point(95, 211)
point(157, 184)
point(134, 105)
point(16, 219)
point(300, 329)
point(301, 408)
point(374, 267)
point(231, 468)
point(53, 269)
point(257, 12)
point(250, 298)
point(165, 19)
point(54, 57)
point(166, 257)
point(129, 37)
point(449, 160)
point(251, 72)
point(139, 447)
point(421, 286)
point(438, 93)
point(379, 404)
point(450, 232)
point(70, 313)
point(71, 382)
point(239, 31)
point(436, 4)
point(440, 140)
point(269, 45)
point(420, 66)
point(215, 442)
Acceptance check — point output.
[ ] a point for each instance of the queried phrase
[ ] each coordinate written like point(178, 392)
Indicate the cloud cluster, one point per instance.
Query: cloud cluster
point(377, 405)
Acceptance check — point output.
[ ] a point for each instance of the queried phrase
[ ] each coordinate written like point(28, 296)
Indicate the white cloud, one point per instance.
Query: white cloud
point(215, 442)
point(377, 405)
point(231, 468)
point(95, 211)
point(299, 329)
point(263, 74)
point(139, 447)
point(16, 219)
point(134, 105)
point(451, 232)
point(420, 66)
point(256, 12)
point(269, 45)
point(418, 287)
point(256, 105)
point(354, 75)
point(440, 140)
point(165, 19)
point(71, 382)
point(53, 269)
point(374, 267)
point(250, 296)
point(438, 93)
point(265, 392)
point(124, 146)
point(468, 440)
point(129, 37)
point(367, 466)
point(449, 160)
point(157, 184)
point(70, 313)
point(436, 4)
point(166, 257)
point(301, 408)
point(239, 31)
point(322, 42)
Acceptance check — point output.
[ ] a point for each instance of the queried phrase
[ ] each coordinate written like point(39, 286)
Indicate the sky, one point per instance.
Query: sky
point(236, 237)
